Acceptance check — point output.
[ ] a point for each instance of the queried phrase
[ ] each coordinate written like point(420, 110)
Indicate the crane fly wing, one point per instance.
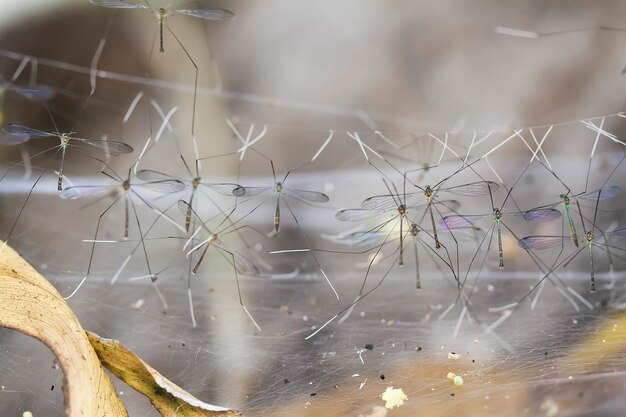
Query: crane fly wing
point(87, 191)
point(382, 202)
point(225, 188)
point(311, 196)
point(13, 139)
point(474, 189)
point(163, 186)
point(214, 14)
point(112, 147)
point(541, 242)
point(619, 233)
point(353, 215)
point(152, 175)
point(244, 265)
point(19, 130)
point(457, 222)
point(242, 191)
point(445, 206)
point(540, 215)
point(118, 4)
point(604, 193)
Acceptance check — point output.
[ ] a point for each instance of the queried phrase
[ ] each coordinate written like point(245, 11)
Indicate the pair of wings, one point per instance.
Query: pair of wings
point(19, 134)
point(532, 215)
point(223, 188)
point(366, 238)
point(243, 264)
point(546, 242)
point(352, 215)
point(207, 14)
point(389, 202)
point(310, 196)
point(95, 192)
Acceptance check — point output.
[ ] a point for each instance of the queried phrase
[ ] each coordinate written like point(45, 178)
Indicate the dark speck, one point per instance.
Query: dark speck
point(546, 354)
point(369, 346)
point(313, 394)
point(382, 377)
point(473, 360)
point(452, 395)
point(183, 344)
point(418, 349)
point(286, 381)
point(52, 388)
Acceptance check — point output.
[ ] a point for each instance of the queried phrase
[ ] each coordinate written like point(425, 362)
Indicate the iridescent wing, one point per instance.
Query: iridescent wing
point(109, 146)
point(19, 130)
point(540, 215)
point(214, 14)
point(354, 215)
point(604, 193)
point(312, 196)
point(474, 189)
point(12, 139)
point(442, 206)
point(119, 4)
point(245, 265)
point(541, 242)
point(456, 222)
point(619, 233)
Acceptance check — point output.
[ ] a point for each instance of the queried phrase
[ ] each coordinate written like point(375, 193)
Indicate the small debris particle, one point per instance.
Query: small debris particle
point(394, 397)
point(549, 407)
point(137, 304)
point(27, 414)
point(458, 381)
point(52, 388)
point(452, 394)
point(336, 387)
point(476, 341)
point(574, 321)
point(284, 309)
point(451, 376)
point(183, 344)
point(546, 354)
point(313, 394)
point(452, 355)
point(382, 376)
point(473, 360)
point(369, 346)
point(418, 349)
point(286, 381)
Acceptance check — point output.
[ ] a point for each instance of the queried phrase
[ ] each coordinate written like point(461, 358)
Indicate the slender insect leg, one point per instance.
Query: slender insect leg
point(60, 180)
point(500, 253)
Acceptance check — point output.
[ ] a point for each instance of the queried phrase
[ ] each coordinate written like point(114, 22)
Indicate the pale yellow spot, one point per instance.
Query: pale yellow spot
point(394, 397)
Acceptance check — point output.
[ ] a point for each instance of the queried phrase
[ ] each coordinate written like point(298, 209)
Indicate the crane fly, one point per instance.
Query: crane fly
point(532, 215)
point(240, 263)
point(279, 190)
point(66, 141)
point(224, 188)
point(162, 13)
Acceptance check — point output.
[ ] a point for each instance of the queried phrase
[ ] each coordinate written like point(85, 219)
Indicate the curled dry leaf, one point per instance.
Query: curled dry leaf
point(168, 398)
point(31, 305)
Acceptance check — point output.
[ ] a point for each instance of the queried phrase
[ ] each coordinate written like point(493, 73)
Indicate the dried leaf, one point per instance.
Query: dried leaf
point(31, 305)
point(168, 398)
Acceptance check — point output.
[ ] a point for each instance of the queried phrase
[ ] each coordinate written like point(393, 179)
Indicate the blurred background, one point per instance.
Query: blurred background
point(301, 71)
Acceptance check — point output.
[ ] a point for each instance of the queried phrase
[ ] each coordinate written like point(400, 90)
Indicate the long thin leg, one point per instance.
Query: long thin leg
point(126, 217)
point(401, 260)
point(591, 269)
point(432, 220)
point(500, 253)
point(93, 249)
point(60, 180)
point(418, 281)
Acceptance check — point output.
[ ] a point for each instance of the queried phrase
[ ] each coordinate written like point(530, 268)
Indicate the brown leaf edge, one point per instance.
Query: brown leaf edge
point(31, 305)
point(168, 398)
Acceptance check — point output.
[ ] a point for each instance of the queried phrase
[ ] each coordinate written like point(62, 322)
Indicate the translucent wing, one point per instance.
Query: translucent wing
point(163, 186)
point(214, 14)
point(36, 92)
point(186, 210)
point(225, 188)
point(87, 191)
point(353, 215)
point(118, 4)
point(363, 238)
point(541, 215)
point(443, 206)
point(619, 233)
point(109, 146)
point(474, 189)
point(19, 130)
point(249, 191)
point(541, 242)
point(456, 222)
point(384, 202)
point(312, 196)
point(152, 175)
point(245, 265)
point(12, 139)
point(604, 193)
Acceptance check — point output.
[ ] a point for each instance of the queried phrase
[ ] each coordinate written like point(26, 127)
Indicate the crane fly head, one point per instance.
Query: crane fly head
point(428, 192)
point(195, 183)
point(278, 187)
point(414, 230)
point(126, 185)
point(497, 213)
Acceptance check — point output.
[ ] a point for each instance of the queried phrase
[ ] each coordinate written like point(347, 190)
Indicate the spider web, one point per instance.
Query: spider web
point(517, 336)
